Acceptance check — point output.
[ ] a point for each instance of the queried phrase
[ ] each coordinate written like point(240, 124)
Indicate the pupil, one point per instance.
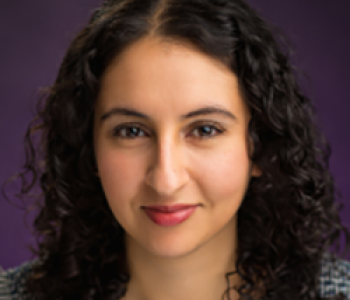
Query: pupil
point(206, 129)
point(134, 130)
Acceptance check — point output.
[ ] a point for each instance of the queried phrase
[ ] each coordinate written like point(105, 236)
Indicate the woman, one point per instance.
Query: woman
point(181, 161)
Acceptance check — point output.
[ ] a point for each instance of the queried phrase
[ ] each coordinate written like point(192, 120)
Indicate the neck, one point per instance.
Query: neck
point(199, 274)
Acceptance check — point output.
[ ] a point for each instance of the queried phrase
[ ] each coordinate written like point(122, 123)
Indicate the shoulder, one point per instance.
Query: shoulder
point(334, 276)
point(12, 281)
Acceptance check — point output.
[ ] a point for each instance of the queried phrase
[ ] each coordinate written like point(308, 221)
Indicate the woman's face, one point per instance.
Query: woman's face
point(158, 156)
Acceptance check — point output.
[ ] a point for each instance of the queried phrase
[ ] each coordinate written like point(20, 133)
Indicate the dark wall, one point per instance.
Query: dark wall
point(34, 35)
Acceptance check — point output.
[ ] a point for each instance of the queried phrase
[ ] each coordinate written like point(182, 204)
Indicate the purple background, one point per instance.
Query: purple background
point(35, 34)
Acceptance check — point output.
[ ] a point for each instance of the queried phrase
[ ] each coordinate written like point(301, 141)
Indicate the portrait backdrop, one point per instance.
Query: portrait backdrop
point(35, 35)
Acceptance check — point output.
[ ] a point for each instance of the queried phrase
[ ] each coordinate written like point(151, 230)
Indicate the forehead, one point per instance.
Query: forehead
point(150, 74)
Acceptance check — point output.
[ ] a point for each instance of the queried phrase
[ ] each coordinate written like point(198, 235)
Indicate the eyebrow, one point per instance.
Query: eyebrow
point(207, 110)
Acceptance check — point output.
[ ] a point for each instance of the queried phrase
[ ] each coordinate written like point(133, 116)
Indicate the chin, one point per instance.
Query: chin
point(172, 246)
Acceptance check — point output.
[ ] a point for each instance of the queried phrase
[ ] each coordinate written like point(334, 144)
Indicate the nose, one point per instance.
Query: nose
point(167, 172)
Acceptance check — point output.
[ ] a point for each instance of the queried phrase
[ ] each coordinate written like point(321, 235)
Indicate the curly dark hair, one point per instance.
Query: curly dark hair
point(288, 218)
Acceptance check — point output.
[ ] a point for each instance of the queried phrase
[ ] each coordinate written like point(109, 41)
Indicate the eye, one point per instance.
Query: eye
point(204, 131)
point(123, 130)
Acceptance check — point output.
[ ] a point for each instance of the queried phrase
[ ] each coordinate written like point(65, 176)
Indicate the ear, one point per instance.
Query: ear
point(256, 172)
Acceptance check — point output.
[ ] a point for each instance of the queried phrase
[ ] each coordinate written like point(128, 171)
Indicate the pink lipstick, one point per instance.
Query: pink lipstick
point(169, 215)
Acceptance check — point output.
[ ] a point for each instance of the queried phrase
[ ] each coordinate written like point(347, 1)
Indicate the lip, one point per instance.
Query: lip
point(169, 208)
point(169, 215)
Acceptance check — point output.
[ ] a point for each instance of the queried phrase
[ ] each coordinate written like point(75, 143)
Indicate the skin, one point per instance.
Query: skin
point(174, 161)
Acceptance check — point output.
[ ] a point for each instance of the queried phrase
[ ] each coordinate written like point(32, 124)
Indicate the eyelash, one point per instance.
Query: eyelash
point(117, 130)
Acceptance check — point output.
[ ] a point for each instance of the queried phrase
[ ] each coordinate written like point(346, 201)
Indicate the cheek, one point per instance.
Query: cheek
point(226, 175)
point(119, 175)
